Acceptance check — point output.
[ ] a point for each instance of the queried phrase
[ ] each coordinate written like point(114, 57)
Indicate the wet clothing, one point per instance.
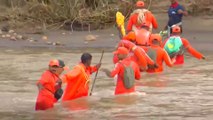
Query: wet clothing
point(138, 55)
point(77, 82)
point(180, 57)
point(119, 71)
point(149, 17)
point(142, 37)
point(46, 99)
point(161, 56)
point(174, 17)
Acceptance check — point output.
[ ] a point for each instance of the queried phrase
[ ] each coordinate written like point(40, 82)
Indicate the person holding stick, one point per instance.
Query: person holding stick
point(78, 79)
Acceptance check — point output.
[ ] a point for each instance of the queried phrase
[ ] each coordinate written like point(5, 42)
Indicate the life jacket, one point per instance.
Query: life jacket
point(173, 45)
point(142, 37)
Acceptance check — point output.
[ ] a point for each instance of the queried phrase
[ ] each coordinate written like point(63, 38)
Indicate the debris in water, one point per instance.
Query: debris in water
point(30, 40)
point(90, 38)
point(54, 43)
point(44, 38)
point(112, 35)
point(49, 43)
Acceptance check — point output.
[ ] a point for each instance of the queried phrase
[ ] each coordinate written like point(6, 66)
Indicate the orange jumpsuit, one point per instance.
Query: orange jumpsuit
point(46, 99)
point(190, 49)
point(149, 18)
point(161, 55)
point(119, 70)
point(138, 55)
point(77, 82)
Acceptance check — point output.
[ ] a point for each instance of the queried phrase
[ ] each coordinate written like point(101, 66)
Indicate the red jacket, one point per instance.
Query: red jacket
point(46, 99)
point(119, 71)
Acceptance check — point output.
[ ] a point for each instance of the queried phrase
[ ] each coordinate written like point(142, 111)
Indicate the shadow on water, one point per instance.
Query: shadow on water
point(183, 92)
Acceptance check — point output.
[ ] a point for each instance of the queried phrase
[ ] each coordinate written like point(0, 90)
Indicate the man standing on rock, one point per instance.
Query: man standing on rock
point(175, 13)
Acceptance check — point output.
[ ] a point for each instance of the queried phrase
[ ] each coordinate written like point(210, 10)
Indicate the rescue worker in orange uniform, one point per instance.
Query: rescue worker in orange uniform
point(158, 54)
point(137, 54)
point(77, 79)
point(122, 54)
point(141, 15)
point(179, 58)
point(48, 84)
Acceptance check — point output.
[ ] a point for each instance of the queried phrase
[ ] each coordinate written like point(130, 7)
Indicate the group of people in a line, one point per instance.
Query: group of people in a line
point(138, 51)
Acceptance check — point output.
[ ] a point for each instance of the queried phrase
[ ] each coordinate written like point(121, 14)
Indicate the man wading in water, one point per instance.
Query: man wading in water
point(49, 86)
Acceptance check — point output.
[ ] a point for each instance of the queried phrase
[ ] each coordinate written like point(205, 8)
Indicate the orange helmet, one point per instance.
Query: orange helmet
point(140, 4)
point(155, 37)
point(176, 29)
point(130, 36)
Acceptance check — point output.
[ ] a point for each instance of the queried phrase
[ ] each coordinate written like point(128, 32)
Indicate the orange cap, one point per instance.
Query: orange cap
point(176, 29)
point(130, 36)
point(140, 4)
point(58, 63)
point(155, 37)
point(121, 50)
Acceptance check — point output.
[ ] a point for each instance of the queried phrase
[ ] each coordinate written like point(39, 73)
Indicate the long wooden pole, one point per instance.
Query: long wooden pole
point(93, 84)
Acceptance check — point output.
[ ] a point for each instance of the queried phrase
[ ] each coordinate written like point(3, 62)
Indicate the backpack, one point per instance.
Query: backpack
point(152, 53)
point(173, 45)
point(129, 76)
point(58, 93)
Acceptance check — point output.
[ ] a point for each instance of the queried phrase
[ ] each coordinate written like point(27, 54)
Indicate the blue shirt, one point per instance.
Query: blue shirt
point(174, 17)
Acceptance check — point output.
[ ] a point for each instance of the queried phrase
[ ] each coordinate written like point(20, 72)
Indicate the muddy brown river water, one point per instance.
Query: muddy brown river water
point(180, 93)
